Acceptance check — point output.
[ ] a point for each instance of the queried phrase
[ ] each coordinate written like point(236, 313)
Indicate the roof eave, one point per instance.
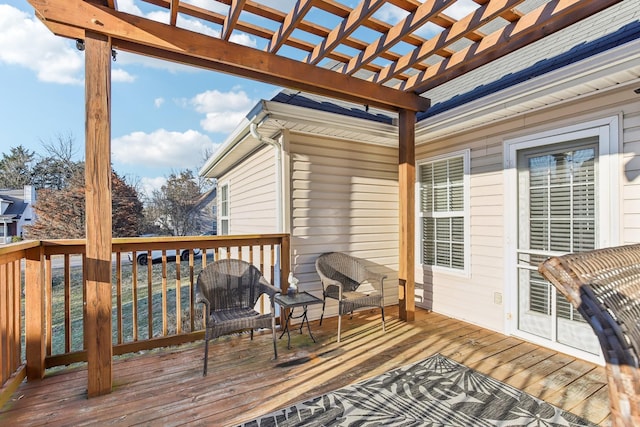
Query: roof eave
point(240, 143)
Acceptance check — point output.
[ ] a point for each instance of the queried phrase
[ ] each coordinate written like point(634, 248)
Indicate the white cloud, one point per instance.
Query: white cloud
point(461, 8)
point(128, 6)
point(221, 122)
point(121, 76)
point(213, 101)
point(209, 5)
point(158, 102)
point(149, 184)
point(223, 110)
point(25, 41)
point(390, 13)
point(162, 148)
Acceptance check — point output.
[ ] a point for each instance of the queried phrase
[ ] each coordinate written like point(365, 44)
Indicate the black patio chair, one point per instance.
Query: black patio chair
point(229, 290)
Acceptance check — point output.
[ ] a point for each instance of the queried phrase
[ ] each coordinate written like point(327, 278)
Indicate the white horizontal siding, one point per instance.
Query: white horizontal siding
point(472, 298)
point(631, 161)
point(252, 199)
point(344, 198)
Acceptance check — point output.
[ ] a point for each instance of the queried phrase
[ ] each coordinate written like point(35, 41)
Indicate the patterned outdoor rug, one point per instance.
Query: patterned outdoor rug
point(434, 392)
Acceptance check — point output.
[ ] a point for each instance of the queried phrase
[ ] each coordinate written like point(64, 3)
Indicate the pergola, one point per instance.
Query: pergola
point(323, 47)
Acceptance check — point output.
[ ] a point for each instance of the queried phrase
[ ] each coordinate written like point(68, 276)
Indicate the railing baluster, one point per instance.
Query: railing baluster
point(178, 297)
point(149, 295)
point(48, 295)
point(18, 325)
point(192, 312)
point(67, 304)
point(164, 294)
point(84, 301)
point(119, 296)
point(134, 296)
point(5, 303)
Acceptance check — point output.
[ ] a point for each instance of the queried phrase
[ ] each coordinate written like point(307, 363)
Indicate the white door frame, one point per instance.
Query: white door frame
point(607, 130)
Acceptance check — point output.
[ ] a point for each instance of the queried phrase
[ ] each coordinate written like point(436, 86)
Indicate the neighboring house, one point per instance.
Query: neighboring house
point(532, 155)
point(16, 211)
point(207, 207)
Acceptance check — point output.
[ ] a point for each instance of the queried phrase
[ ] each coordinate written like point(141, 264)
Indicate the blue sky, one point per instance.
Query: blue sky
point(165, 116)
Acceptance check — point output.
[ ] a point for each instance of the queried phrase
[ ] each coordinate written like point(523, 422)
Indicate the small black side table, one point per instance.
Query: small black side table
point(300, 299)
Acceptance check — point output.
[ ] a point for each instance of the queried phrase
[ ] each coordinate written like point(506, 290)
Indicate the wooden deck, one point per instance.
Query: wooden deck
point(166, 386)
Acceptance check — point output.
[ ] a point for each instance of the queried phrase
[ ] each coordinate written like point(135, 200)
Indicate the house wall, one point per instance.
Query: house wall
point(344, 197)
point(28, 217)
point(252, 205)
point(478, 297)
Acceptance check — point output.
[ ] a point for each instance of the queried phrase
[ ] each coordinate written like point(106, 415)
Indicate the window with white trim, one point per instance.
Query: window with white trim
point(443, 212)
point(224, 210)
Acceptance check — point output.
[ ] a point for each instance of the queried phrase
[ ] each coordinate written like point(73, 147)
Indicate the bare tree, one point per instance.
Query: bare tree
point(56, 169)
point(175, 208)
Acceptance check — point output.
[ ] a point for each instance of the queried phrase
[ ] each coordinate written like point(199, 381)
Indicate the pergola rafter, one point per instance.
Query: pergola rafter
point(437, 45)
point(432, 61)
point(340, 32)
point(542, 21)
point(232, 18)
point(291, 21)
point(387, 63)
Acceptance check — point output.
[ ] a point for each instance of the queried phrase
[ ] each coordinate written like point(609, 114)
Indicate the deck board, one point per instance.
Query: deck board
point(166, 386)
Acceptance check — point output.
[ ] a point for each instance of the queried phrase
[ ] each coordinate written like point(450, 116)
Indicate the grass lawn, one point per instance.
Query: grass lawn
point(143, 289)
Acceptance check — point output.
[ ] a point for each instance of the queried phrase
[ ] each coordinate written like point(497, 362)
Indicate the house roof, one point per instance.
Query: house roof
point(16, 201)
point(206, 198)
point(302, 113)
point(329, 105)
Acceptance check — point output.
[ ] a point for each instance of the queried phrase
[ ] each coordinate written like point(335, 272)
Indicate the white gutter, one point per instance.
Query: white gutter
point(277, 146)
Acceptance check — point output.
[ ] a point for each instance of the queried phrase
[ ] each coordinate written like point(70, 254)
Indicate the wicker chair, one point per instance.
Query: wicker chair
point(229, 290)
point(341, 275)
point(604, 285)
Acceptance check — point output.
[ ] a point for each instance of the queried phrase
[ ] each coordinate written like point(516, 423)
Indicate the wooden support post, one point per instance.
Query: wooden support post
point(407, 178)
point(97, 325)
point(35, 313)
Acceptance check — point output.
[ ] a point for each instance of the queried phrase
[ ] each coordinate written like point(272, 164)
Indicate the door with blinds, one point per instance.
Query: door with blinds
point(557, 213)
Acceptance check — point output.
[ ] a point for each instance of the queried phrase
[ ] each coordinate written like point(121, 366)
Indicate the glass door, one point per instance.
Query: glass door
point(557, 213)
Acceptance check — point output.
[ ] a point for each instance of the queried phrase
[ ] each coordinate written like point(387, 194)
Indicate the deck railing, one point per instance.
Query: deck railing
point(42, 295)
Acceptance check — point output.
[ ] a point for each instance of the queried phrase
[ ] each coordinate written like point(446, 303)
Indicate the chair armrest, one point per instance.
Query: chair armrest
point(201, 299)
point(269, 289)
point(326, 282)
point(376, 277)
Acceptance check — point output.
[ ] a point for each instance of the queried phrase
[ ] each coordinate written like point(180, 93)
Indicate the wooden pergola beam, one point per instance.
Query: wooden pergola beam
point(146, 35)
point(533, 26)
